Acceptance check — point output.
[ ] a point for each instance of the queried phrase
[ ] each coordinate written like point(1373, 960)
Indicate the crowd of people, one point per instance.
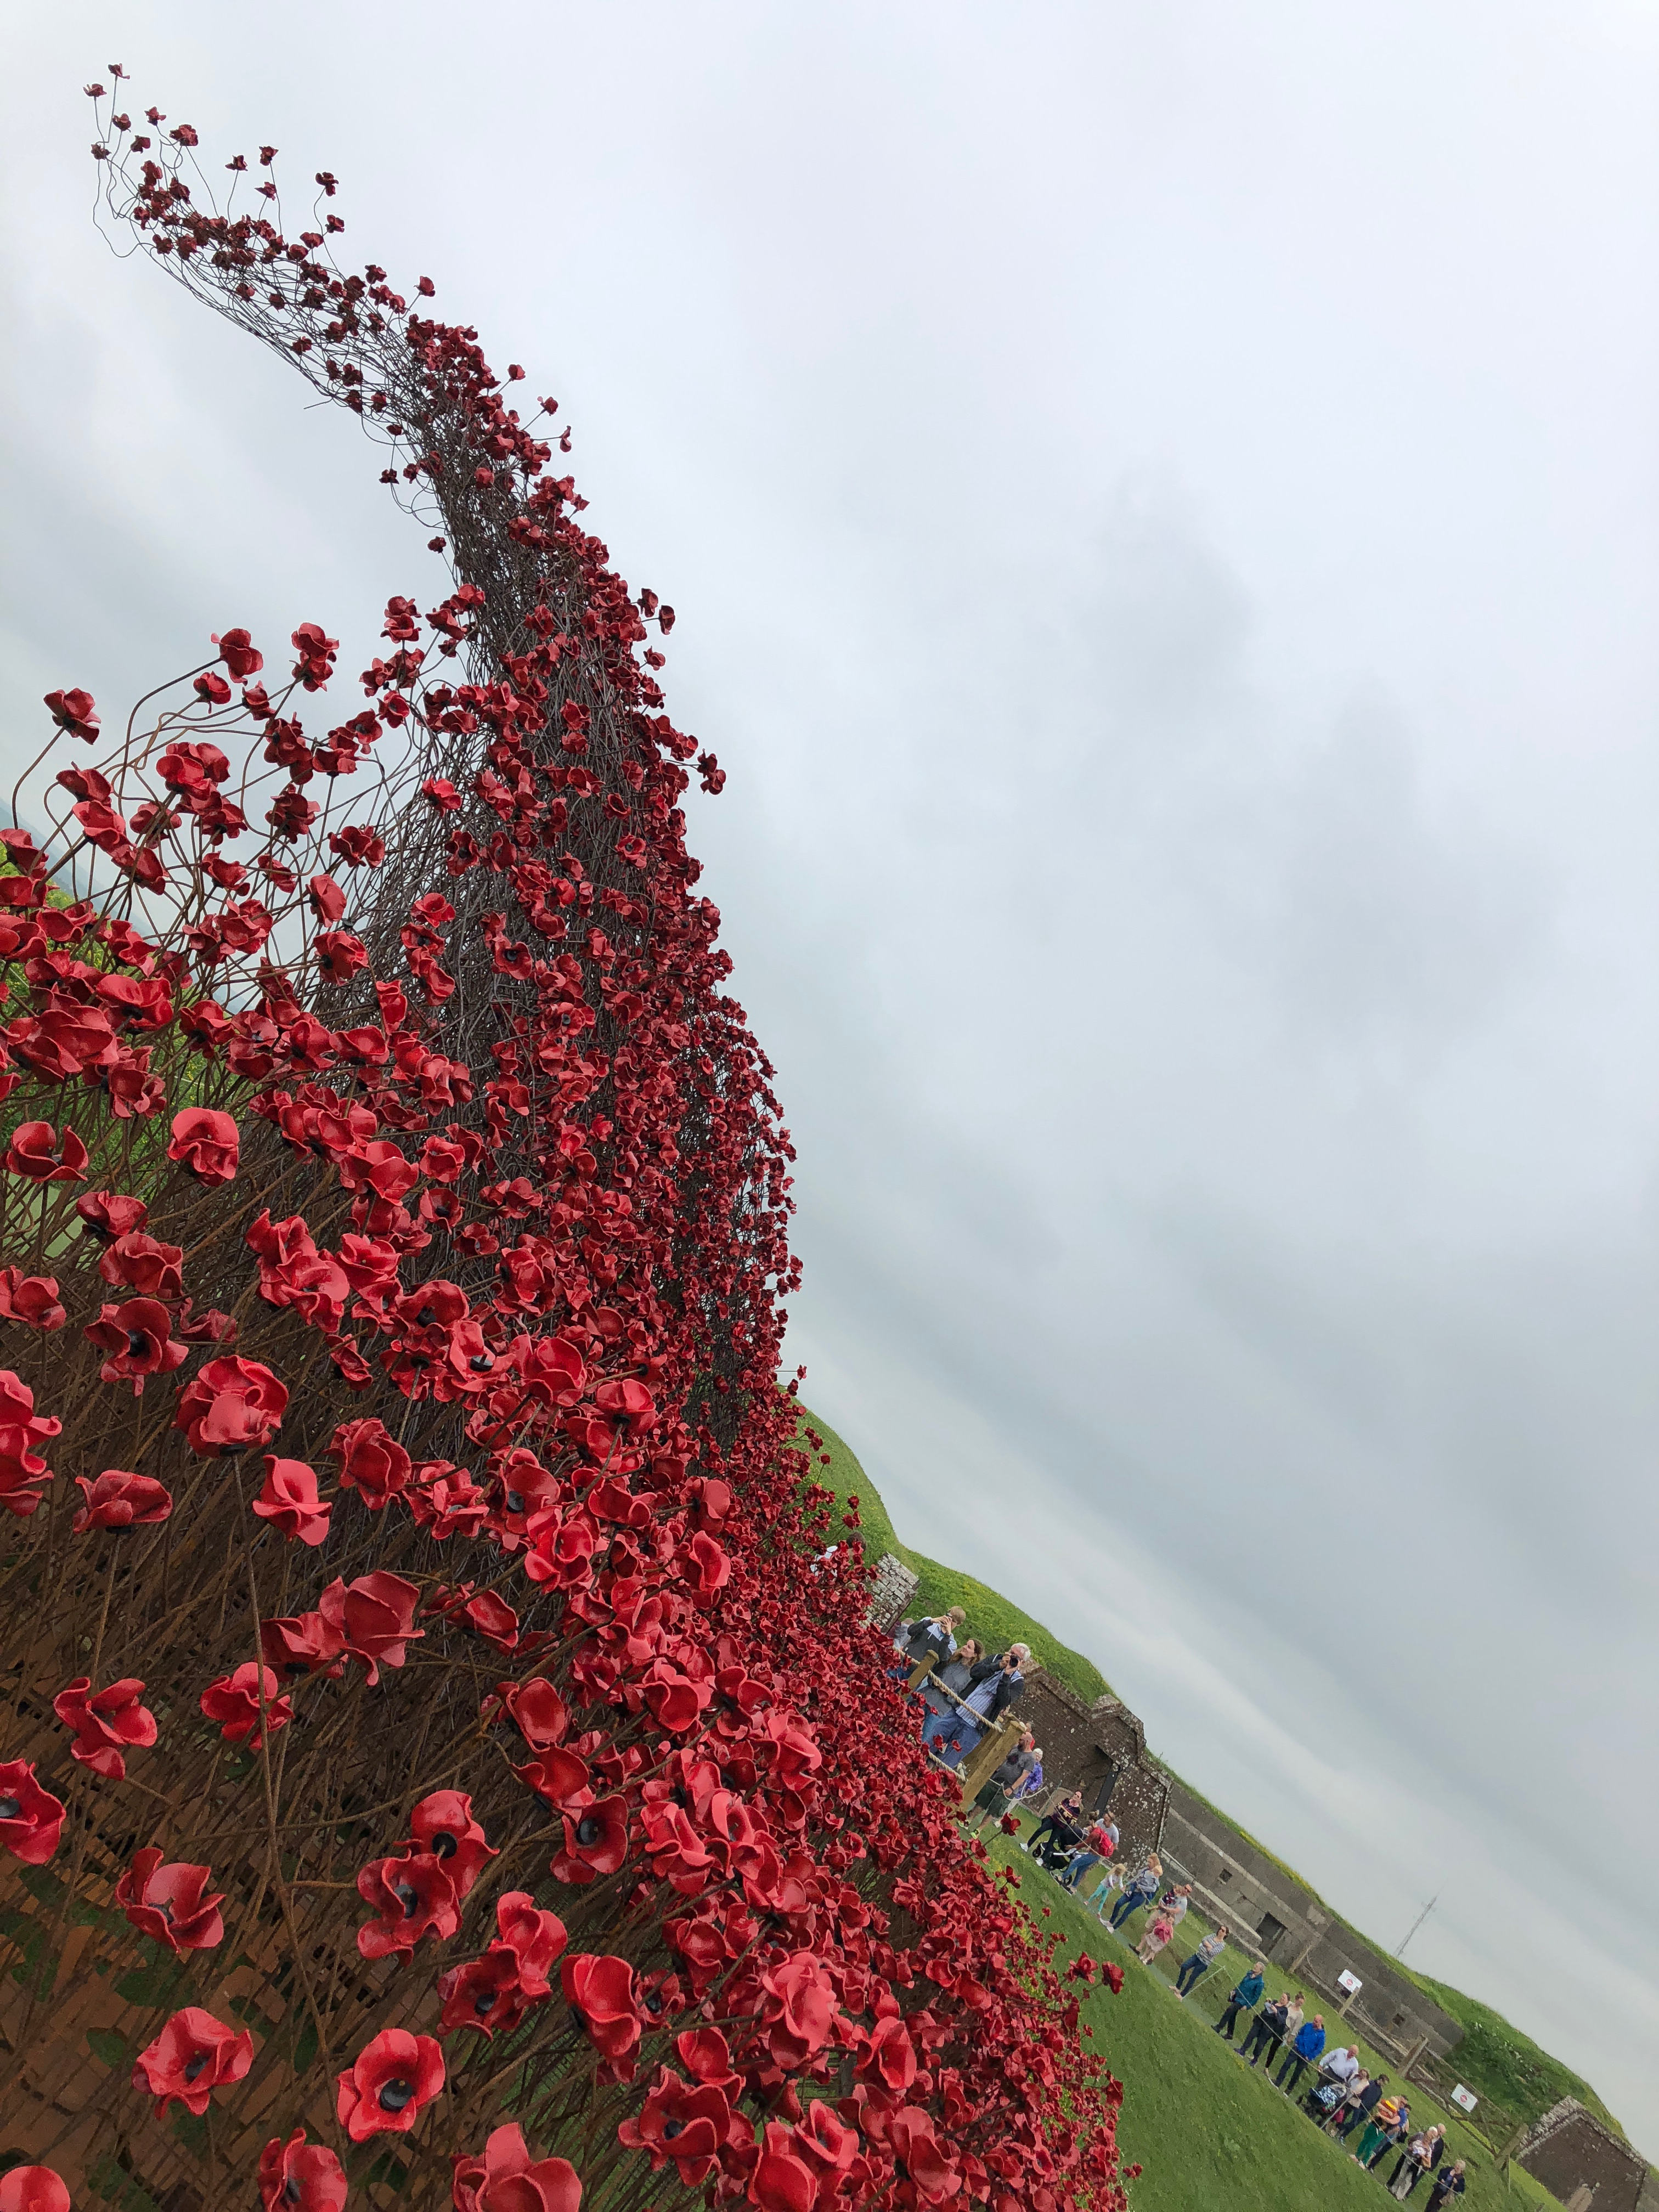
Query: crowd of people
point(966, 1693)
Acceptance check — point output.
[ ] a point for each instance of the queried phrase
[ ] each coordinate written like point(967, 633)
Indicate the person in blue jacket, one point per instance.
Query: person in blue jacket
point(1302, 2053)
point(1245, 1998)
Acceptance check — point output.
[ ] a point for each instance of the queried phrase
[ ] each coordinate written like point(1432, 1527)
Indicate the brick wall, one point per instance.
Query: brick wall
point(1569, 2150)
point(1084, 1747)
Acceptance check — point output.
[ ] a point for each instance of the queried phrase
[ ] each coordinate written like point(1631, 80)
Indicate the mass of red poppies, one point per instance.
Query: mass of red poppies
point(395, 1241)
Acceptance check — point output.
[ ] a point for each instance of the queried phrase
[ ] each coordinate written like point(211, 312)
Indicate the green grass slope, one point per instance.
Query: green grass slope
point(990, 1616)
point(1495, 2059)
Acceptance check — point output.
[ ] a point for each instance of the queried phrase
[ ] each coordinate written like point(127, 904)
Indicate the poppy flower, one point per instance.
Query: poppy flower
point(137, 1333)
point(487, 1993)
point(106, 1722)
point(212, 689)
point(889, 2055)
point(538, 1709)
point(33, 2189)
point(328, 900)
point(508, 2179)
point(108, 1216)
point(31, 1818)
point(38, 1154)
point(291, 1502)
point(239, 654)
point(388, 2085)
point(73, 711)
point(167, 1901)
point(193, 2055)
point(536, 1937)
point(373, 1618)
point(134, 1261)
point(442, 1824)
point(599, 1991)
point(32, 1299)
point(412, 1896)
point(681, 2122)
point(233, 1702)
point(595, 1841)
point(371, 1462)
point(119, 1499)
point(340, 955)
point(781, 2182)
point(297, 2176)
point(229, 1405)
point(205, 1142)
point(931, 2171)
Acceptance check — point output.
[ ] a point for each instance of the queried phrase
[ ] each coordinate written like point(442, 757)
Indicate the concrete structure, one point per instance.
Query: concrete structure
point(1584, 2164)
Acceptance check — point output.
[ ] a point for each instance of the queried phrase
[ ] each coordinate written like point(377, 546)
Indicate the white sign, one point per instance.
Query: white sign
point(1350, 1985)
point(1465, 2099)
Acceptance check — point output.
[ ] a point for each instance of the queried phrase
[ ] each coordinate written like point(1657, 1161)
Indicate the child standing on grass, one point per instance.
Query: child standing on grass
point(1156, 1938)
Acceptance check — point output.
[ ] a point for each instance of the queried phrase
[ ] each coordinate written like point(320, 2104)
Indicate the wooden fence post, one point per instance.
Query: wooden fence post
point(989, 1752)
point(922, 1670)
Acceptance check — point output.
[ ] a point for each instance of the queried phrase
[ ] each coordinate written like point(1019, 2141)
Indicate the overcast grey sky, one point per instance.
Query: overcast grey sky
point(1162, 508)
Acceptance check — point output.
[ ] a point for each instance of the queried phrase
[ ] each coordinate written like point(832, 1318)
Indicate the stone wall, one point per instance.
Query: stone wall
point(892, 1586)
point(1584, 2164)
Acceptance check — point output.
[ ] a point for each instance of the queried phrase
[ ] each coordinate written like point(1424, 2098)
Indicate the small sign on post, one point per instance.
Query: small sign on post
point(1349, 1984)
point(1465, 2099)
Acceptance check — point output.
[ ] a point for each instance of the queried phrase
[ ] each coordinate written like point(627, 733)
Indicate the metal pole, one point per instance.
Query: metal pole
point(1400, 1951)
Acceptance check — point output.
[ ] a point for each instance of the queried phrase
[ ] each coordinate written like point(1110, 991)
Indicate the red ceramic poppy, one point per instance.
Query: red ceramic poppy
point(781, 2182)
point(600, 1992)
point(193, 2055)
point(138, 1262)
point(31, 1818)
point(33, 2189)
point(108, 1217)
point(412, 1896)
point(595, 1841)
point(31, 1299)
point(229, 1405)
point(442, 1824)
point(297, 2176)
point(106, 1723)
point(373, 1618)
point(23, 1473)
point(38, 1154)
point(233, 1702)
point(291, 1502)
point(371, 1462)
point(536, 1937)
point(389, 2084)
point(119, 1499)
point(137, 1334)
point(169, 1902)
point(680, 2121)
point(206, 1142)
point(508, 2179)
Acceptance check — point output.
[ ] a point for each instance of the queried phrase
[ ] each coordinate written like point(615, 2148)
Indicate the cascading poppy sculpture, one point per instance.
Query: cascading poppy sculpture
point(440, 1766)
